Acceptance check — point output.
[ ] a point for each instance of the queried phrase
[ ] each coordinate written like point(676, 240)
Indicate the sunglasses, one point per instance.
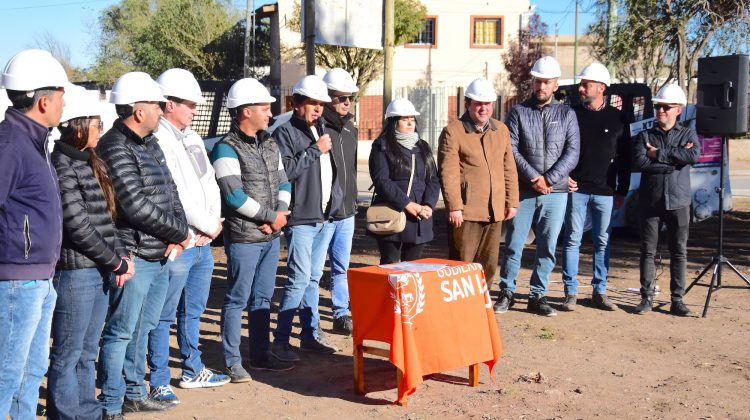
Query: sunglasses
point(99, 125)
point(343, 98)
point(664, 107)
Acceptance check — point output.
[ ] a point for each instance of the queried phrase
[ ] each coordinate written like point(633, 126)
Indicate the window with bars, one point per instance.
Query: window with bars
point(486, 32)
point(428, 36)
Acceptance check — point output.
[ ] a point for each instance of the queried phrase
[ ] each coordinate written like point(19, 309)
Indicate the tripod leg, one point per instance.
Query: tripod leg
point(705, 270)
point(736, 271)
point(714, 277)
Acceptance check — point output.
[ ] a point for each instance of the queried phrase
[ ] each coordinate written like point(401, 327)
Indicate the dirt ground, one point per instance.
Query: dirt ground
point(583, 364)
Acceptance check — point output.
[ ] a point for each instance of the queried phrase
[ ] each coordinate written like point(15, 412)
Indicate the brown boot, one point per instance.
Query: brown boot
point(570, 303)
point(601, 301)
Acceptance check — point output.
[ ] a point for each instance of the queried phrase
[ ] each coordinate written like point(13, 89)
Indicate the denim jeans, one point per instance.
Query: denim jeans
point(545, 213)
point(134, 311)
point(82, 304)
point(187, 294)
point(307, 246)
point(251, 277)
point(678, 227)
point(339, 251)
point(575, 218)
point(26, 308)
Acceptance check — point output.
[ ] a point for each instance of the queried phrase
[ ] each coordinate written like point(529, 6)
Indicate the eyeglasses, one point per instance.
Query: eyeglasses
point(664, 107)
point(99, 125)
point(343, 98)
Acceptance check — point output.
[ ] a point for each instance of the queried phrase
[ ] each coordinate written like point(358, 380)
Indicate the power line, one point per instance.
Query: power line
point(43, 6)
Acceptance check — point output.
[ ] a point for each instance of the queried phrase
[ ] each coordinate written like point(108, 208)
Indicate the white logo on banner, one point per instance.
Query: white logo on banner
point(411, 289)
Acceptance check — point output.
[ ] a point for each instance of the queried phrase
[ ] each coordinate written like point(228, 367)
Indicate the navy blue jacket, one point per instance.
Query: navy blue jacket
point(30, 211)
point(391, 184)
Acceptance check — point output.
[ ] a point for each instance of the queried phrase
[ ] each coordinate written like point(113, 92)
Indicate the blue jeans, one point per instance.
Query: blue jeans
point(187, 294)
point(251, 277)
point(82, 304)
point(545, 213)
point(308, 245)
point(26, 308)
point(339, 251)
point(134, 311)
point(575, 218)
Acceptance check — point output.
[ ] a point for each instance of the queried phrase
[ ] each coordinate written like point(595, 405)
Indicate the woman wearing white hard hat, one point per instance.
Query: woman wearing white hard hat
point(404, 174)
point(91, 258)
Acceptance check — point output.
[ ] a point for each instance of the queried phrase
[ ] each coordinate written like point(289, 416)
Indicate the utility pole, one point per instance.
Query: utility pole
point(557, 31)
point(309, 36)
point(388, 41)
point(611, 25)
point(246, 58)
point(575, 49)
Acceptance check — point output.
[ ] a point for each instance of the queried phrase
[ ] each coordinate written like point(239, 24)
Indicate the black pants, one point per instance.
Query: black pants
point(391, 252)
point(678, 224)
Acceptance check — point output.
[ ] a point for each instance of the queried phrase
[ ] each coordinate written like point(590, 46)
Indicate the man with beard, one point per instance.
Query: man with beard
point(544, 136)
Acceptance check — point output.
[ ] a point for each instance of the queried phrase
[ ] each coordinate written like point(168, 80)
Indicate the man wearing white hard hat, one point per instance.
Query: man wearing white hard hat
point(344, 140)
point(31, 226)
point(152, 227)
point(544, 134)
point(599, 182)
point(190, 274)
point(305, 151)
point(256, 195)
point(479, 179)
point(664, 154)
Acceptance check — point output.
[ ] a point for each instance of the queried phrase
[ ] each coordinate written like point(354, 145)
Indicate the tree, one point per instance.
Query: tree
point(522, 52)
point(667, 37)
point(61, 52)
point(202, 36)
point(365, 65)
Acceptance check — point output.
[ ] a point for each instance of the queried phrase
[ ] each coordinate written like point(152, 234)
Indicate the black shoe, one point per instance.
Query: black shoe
point(601, 301)
point(504, 302)
point(540, 306)
point(117, 416)
point(343, 325)
point(144, 405)
point(317, 345)
point(271, 364)
point(570, 303)
point(644, 307)
point(678, 308)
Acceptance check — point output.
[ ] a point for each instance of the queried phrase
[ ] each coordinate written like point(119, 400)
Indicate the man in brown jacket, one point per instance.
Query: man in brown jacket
point(479, 179)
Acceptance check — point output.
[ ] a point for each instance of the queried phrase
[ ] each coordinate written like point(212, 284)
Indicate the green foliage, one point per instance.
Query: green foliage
point(522, 52)
point(205, 37)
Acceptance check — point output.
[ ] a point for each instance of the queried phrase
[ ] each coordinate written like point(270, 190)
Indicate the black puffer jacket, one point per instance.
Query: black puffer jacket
point(149, 211)
point(89, 237)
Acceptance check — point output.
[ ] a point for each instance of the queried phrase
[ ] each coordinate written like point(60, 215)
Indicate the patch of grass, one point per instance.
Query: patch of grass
point(547, 333)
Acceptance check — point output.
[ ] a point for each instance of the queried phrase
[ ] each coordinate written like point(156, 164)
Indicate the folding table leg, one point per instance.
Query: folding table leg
point(474, 375)
point(399, 379)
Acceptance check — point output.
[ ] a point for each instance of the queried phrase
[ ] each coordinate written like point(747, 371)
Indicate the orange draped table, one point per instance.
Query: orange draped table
point(434, 321)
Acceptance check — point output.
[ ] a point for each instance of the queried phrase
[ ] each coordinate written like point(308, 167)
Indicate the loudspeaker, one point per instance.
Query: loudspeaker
point(722, 95)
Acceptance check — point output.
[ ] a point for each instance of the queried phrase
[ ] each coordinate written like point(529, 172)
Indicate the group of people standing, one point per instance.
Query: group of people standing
point(107, 240)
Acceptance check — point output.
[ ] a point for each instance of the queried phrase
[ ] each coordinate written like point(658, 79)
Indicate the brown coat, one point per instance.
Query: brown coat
point(477, 170)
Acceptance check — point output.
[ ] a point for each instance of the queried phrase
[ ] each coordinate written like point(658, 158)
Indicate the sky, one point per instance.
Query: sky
point(74, 23)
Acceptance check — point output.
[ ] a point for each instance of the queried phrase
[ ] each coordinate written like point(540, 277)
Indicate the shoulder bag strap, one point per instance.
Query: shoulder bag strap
point(411, 175)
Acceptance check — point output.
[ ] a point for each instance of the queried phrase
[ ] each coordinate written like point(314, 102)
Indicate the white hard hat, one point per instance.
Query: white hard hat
point(248, 91)
point(400, 108)
point(546, 68)
point(481, 90)
point(313, 87)
point(80, 103)
point(670, 94)
point(340, 80)
point(133, 87)
point(33, 69)
point(180, 83)
point(596, 72)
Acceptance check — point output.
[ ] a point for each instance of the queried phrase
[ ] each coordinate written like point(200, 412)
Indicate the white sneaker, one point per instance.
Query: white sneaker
point(206, 378)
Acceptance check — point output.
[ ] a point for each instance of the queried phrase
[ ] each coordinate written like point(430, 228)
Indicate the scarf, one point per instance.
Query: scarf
point(408, 140)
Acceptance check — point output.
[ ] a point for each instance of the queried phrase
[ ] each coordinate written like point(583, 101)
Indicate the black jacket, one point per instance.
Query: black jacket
point(149, 211)
point(665, 181)
point(344, 140)
point(89, 236)
point(301, 158)
point(604, 163)
point(391, 184)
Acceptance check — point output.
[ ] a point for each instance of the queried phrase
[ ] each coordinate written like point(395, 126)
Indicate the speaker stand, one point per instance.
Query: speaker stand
point(719, 259)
